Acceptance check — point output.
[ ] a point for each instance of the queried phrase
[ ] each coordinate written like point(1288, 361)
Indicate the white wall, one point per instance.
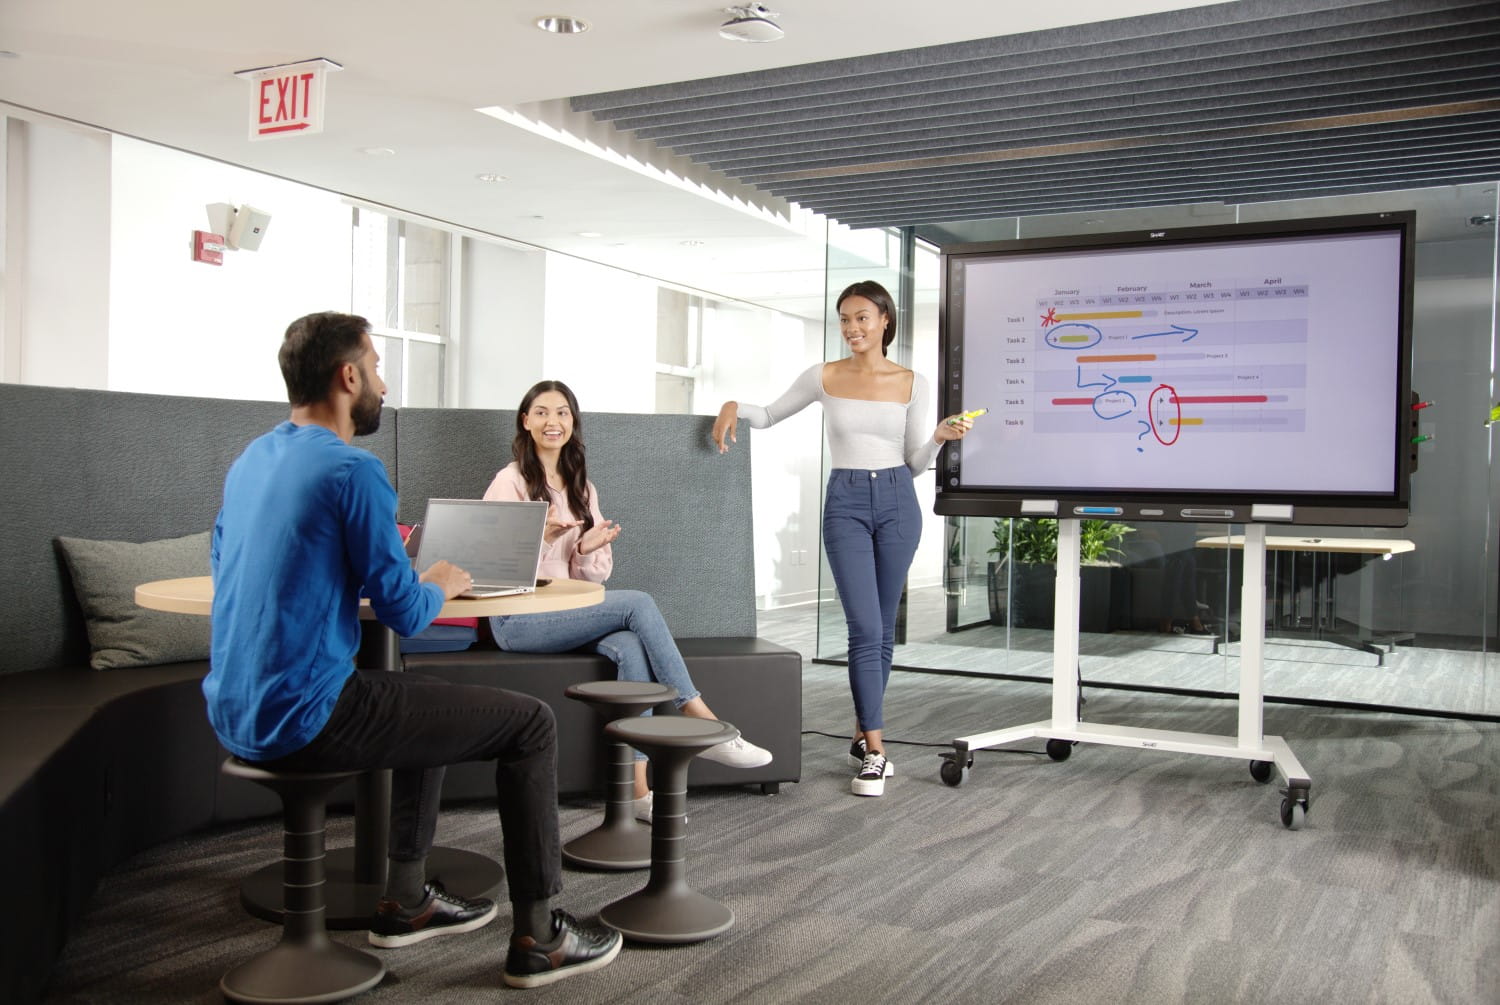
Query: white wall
point(57, 275)
point(599, 335)
point(502, 324)
point(177, 326)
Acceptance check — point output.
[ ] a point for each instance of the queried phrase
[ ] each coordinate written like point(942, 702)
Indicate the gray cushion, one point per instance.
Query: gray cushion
point(122, 634)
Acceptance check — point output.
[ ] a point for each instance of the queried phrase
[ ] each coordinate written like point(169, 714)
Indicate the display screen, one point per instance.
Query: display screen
point(1188, 374)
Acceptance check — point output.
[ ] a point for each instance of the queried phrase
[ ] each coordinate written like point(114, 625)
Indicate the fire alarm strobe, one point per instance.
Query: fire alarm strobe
point(208, 247)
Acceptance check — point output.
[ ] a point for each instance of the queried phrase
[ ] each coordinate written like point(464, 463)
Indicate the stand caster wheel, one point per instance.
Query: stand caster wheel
point(1059, 750)
point(951, 772)
point(1293, 813)
point(1260, 771)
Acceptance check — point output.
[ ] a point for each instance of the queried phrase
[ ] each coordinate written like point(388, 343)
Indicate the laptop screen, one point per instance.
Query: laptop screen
point(497, 543)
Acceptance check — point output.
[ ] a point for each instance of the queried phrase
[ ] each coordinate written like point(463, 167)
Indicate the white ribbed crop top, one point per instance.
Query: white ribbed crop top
point(869, 435)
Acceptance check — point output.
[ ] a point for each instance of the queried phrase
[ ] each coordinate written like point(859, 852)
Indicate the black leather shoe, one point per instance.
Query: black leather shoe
point(441, 913)
point(573, 949)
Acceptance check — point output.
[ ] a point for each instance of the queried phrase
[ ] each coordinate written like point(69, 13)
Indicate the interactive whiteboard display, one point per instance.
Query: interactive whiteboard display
point(1204, 370)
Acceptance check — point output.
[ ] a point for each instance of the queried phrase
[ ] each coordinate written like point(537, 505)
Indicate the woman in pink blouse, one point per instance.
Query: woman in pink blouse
point(626, 627)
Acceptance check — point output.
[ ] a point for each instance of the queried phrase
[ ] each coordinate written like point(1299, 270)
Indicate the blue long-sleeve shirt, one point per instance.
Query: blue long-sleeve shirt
point(308, 522)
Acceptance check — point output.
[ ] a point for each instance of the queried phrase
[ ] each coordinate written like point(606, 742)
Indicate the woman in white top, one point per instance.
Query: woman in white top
point(876, 416)
point(626, 627)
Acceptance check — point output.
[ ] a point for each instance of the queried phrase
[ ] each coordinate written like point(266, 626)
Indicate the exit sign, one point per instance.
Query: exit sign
point(287, 100)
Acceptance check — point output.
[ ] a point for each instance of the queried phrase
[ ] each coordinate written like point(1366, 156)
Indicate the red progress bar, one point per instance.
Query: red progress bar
point(1218, 399)
point(1072, 401)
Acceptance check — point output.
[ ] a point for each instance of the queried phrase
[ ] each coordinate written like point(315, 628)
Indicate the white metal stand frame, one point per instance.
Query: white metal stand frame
point(1065, 729)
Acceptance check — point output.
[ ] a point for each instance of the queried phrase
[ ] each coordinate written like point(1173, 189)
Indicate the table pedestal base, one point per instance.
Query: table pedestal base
point(350, 904)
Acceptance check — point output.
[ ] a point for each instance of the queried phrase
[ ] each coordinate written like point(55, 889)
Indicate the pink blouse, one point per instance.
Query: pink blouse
point(560, 558)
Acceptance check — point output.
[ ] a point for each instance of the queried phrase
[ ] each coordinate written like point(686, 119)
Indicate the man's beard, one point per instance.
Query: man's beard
point(366, 412)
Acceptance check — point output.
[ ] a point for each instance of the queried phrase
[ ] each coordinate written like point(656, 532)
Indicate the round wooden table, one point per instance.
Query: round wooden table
point(356, 876)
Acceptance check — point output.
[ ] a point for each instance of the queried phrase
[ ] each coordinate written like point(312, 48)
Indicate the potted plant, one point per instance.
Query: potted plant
point(1028, 546)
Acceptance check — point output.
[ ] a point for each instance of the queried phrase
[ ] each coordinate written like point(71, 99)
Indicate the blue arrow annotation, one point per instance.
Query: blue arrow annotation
point(1191, 333)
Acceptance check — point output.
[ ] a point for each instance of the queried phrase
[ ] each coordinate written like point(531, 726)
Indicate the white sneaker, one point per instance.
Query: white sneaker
point(738, 753)
point(872, 775)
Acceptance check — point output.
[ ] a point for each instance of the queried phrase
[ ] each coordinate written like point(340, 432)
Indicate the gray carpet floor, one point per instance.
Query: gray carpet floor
point(1115, 876)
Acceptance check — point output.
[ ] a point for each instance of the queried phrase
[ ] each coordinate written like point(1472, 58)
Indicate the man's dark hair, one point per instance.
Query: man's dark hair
point(314, 348)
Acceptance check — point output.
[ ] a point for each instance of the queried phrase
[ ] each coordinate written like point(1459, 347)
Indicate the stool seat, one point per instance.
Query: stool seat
point(675, 732)
point(666, 909)
point(643, 694)
point(620, 841)
point(237, 768)
point(305, 966)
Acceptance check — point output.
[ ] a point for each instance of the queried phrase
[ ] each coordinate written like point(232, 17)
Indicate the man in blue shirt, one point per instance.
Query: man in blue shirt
point(307, 526)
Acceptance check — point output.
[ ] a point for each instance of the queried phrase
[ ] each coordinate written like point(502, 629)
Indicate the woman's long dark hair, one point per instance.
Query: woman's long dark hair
point(571, 464)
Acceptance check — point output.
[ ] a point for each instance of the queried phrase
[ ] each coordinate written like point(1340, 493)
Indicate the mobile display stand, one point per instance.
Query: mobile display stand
point(1064, 729)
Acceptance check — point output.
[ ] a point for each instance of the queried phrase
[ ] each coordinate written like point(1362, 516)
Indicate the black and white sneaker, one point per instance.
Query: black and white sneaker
point(857, 753)
point(872, 775)
point(572, 949)
point(441, 913)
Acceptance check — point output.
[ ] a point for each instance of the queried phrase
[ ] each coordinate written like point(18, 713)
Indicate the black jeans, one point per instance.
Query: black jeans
point(417, 725)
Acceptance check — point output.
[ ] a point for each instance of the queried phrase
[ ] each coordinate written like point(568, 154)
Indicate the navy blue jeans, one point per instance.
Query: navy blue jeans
point(626, 628)
point(871, 526)
point(417, 725)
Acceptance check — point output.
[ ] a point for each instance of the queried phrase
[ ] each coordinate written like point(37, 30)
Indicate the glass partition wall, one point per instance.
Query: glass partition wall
point(1399, 618)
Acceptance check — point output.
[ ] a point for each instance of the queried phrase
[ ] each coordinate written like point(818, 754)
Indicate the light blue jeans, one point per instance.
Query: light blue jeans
point(627, 628)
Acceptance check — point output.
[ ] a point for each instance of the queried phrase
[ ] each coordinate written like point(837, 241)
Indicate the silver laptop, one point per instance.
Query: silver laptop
point(498, 543)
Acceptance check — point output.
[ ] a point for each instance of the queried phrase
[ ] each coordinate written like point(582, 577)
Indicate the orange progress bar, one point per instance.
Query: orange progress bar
point(1185, 422)
point(1141, 357)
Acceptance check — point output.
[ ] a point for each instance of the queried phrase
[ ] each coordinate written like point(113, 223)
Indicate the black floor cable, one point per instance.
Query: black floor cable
point(949, 744)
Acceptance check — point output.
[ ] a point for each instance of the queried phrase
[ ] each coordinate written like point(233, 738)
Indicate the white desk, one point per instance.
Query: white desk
point(1323, 624)
point(1064, 729)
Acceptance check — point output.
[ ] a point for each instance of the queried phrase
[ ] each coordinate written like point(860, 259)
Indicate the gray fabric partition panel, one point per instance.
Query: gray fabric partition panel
point(683, 508)
point(450, 453)
point(107, 465)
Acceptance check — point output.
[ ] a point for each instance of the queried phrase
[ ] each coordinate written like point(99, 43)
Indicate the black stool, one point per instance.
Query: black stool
point(305, 966)
point(621, 841)
point(667, 909)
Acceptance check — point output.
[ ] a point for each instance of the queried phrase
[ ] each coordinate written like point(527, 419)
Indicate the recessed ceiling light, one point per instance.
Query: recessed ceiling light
point(589, 233)
point(377, 151)
point(562, 24)
point(488, 176)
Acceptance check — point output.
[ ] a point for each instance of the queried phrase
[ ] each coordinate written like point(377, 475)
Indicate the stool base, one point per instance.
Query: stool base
point(328, 972)
point(681, 915)
point(349, 905)
point(621, 845)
